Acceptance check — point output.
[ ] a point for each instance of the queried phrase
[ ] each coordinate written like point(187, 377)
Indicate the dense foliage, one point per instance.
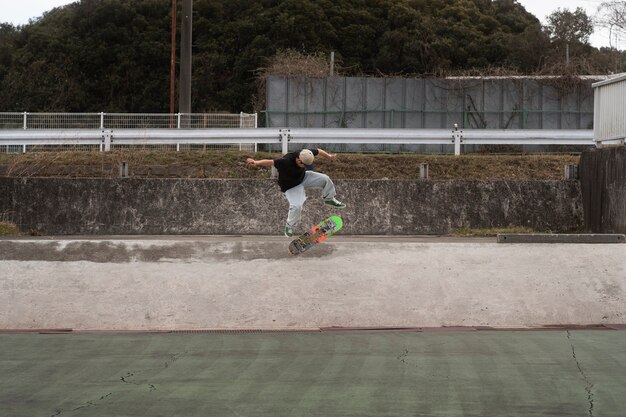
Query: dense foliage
point(114, 55)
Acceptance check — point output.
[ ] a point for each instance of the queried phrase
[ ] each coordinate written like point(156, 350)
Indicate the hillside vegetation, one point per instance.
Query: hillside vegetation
point(114, 55)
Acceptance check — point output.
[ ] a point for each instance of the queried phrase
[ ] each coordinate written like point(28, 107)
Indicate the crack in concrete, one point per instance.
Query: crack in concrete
point(93, 403)
point(173, 358)
point(87, 404)
point(588, 384)
point(128, 376)
point(126, 379)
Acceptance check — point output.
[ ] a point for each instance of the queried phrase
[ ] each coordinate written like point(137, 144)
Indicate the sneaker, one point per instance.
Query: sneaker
point(288, 231)
point(335, 203)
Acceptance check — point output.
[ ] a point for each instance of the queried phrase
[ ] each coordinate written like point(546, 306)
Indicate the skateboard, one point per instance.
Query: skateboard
point(315, 234)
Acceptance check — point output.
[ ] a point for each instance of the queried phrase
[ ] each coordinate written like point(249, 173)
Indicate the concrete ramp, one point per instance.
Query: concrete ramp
point(251, 282)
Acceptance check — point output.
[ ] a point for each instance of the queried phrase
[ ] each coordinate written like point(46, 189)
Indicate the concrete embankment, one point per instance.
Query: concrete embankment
point(219, 282)
point(90, 206)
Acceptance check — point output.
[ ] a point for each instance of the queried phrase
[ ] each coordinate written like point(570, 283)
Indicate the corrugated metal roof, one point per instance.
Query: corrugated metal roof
point(528, 77)
point(611, 79)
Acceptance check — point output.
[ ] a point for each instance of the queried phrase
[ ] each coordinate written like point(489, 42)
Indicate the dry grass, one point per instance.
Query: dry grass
point(449, 167)
point(7, 228)
point(292, 63)
point(466, 231)
point(215, 164)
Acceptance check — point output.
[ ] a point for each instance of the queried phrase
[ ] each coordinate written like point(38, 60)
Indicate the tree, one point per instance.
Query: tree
point(612, 15)
point(568, 29)
point(8, 33)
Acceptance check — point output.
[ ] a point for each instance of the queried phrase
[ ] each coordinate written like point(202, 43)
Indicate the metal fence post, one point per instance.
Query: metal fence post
point(178, 123)
point(240, 124)
point(423, 171)
point(571, 172)
point(101, 120)
point(25, 117)
point(124, 169)
point(256, 125)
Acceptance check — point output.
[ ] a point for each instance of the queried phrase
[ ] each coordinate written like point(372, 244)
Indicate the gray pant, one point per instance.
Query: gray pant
point(297, 195)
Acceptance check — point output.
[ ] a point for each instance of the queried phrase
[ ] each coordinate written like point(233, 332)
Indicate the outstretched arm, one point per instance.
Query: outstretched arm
point(326, 154)
point(260, 163)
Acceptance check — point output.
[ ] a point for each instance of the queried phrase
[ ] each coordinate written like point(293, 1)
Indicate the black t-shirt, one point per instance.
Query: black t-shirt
point(289, 173)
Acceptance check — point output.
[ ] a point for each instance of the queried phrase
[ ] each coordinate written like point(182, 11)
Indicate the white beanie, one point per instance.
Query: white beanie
point(306, 156)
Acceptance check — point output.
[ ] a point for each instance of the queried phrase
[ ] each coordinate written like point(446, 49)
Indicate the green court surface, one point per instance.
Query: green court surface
point(474, 373)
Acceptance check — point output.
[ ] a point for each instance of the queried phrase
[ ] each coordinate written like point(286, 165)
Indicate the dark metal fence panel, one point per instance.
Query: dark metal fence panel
point(603, 186)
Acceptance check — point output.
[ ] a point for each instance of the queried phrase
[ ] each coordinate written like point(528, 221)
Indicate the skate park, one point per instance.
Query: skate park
point(364, 325)
point(378, 320)
point(126, 302)
point(116, 308)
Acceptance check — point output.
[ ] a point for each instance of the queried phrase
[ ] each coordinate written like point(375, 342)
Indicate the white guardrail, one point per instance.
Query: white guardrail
point(105, 138)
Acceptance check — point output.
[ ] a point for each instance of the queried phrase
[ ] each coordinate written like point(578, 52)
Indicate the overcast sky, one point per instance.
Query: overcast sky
point(18, 13)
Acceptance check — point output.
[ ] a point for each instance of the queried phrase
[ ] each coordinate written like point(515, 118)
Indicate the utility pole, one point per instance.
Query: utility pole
point(173, 63)
point(184, 87)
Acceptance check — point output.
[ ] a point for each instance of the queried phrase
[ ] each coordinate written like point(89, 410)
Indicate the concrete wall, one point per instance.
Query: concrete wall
point(603, 184)
point(63, 206)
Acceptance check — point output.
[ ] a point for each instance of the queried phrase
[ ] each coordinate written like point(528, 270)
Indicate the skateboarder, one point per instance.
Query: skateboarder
point(295, 175)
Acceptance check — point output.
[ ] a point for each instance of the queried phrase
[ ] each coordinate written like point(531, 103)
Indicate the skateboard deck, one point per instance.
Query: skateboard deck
point(315, 235)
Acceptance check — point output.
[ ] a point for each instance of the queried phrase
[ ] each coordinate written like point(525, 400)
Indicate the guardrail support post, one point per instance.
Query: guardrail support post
point(457, 135)
point(25, 118)
point(106, 136)
point(101, 120)
point(284, 139)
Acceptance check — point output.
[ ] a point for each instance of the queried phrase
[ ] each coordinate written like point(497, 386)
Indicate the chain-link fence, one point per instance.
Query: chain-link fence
point(26, 120)
point(111, 121)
